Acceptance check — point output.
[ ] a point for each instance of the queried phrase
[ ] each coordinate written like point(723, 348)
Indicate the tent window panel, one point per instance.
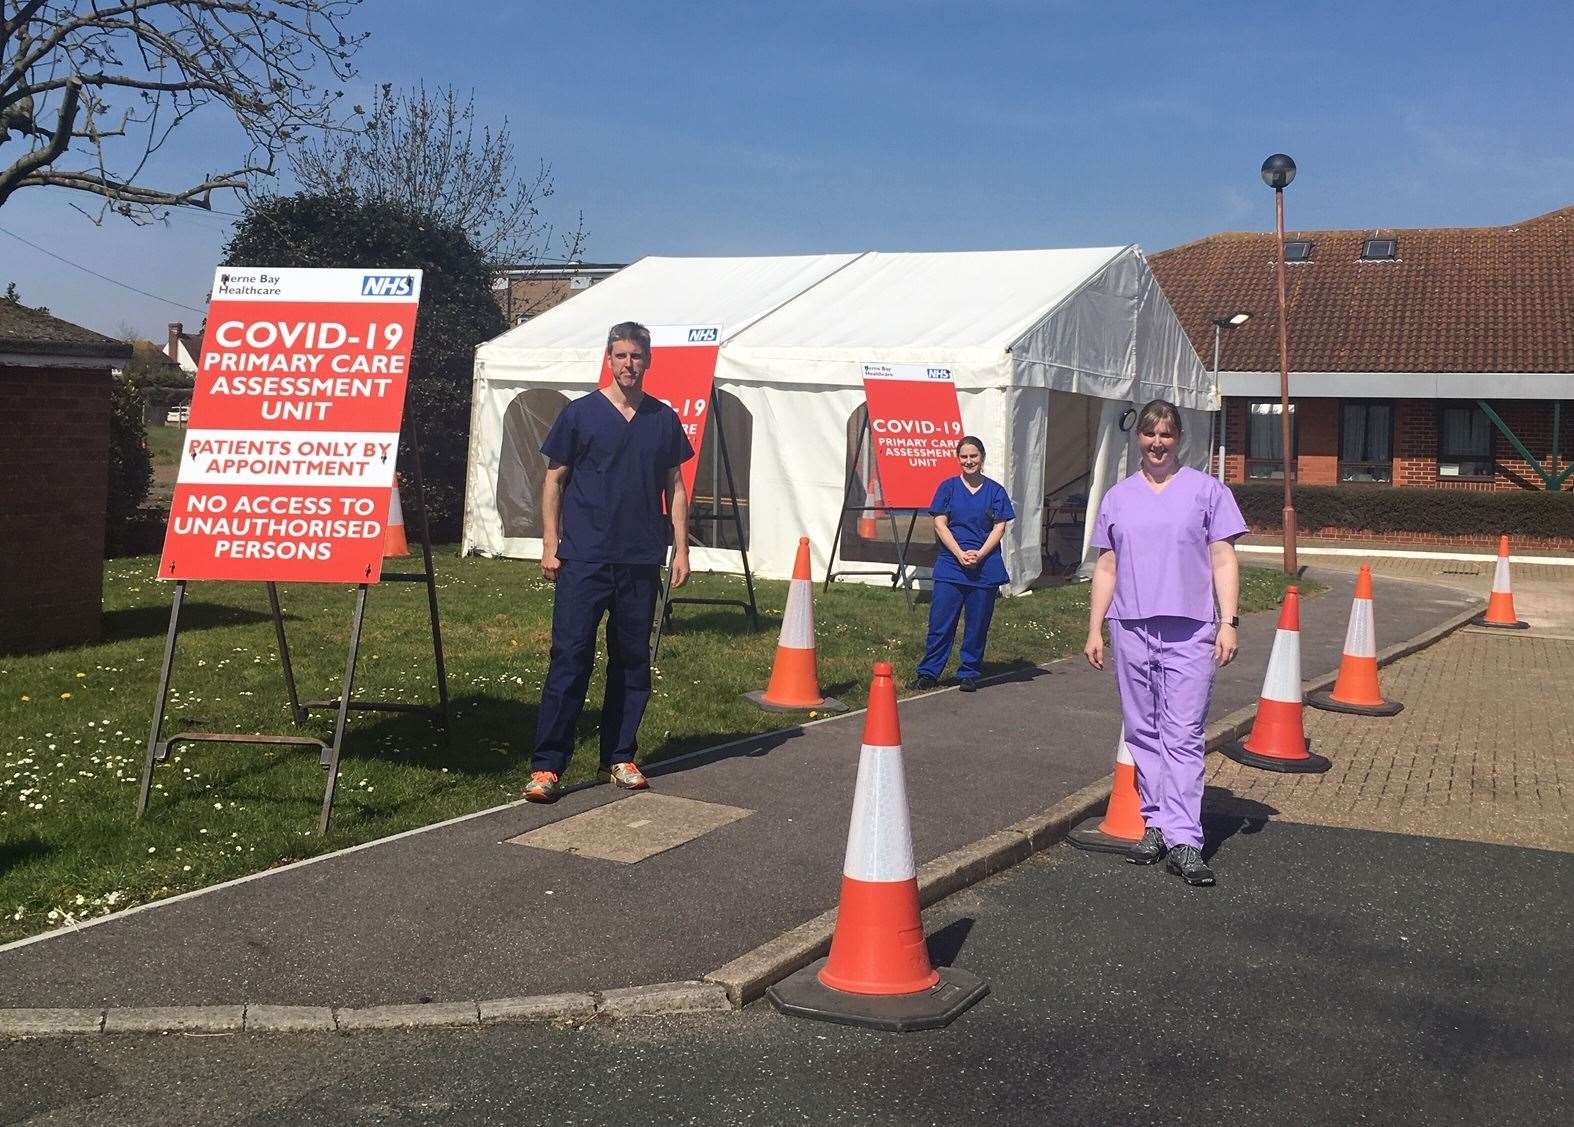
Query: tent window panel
point(871, 533)
point(1265, 440)
point(521, 467)
point(1366, 433)
point(711, 497)
point(1464, 442)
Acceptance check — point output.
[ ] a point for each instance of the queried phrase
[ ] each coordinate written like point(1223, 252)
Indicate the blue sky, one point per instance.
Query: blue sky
point(755, 128)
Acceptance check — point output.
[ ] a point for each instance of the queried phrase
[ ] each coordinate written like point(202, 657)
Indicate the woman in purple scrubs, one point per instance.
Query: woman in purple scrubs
point(971, 512)
point(1166, 540)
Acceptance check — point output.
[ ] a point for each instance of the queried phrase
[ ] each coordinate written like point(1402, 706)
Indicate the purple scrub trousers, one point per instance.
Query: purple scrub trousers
point(1165, 667)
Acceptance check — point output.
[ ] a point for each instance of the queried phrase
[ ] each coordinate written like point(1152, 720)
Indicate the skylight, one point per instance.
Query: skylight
point(1379, 248)
point(1298, 250)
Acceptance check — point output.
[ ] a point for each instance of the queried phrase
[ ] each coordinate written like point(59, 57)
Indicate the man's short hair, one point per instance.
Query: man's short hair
point(629, 330)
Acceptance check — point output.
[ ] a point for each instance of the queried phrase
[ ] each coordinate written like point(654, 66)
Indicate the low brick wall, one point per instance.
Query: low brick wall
point(54, 487)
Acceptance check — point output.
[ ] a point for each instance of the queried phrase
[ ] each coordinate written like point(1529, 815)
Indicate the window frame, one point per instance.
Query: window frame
point(1276, 462)
point(1445, 405)
point(1366, 248)
point(1309, 244)
point(1367, 403)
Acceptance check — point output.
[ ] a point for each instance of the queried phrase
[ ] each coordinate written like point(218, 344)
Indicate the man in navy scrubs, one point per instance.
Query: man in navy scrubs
point(611, 456)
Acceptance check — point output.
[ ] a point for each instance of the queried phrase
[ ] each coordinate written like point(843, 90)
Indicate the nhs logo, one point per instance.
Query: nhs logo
point(702, 336)
point(939, 373)
point(387, 285)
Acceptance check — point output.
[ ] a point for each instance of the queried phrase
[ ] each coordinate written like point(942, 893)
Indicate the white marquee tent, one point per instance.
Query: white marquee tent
point(1050, 349)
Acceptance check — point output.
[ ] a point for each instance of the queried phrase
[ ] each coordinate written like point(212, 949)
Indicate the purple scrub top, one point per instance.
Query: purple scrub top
point(1162, 564)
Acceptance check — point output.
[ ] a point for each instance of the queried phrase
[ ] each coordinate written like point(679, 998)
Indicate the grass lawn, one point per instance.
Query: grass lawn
point(164, 445)
point(74, 723)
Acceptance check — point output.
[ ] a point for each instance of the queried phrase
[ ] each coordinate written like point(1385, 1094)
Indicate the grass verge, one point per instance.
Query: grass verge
point(74, 723)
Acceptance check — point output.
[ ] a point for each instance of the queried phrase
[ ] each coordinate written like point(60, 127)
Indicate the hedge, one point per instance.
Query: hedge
point(1448, 512)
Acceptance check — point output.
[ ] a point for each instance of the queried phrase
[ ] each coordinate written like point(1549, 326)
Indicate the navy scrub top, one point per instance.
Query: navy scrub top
point(617, 470)
point(971, 518)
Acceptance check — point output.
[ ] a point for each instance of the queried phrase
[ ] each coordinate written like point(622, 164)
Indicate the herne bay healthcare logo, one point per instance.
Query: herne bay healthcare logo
point(248, 284)
point(387, 285)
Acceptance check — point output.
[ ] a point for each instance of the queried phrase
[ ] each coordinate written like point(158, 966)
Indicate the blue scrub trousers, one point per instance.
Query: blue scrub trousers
point(950, 602)
point(626, 594)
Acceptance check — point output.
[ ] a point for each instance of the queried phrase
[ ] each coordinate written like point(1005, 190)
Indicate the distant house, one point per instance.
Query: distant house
point(55, 386)
point(184, 348)
point(523, 292)
point(1439, 357)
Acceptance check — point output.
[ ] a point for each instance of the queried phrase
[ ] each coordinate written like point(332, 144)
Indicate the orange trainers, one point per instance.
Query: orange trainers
point(626, 775)
point(543, 787)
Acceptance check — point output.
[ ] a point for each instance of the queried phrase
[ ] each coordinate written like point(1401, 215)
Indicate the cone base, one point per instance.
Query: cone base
point(1326, 701)
point(1088, 836)
point(1309, 765)
point(1481, 620)
point(827, 704)
point(804, 995)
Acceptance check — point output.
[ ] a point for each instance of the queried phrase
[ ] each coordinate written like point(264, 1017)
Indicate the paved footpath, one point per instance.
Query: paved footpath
point(1436, 768)
point(460, 912)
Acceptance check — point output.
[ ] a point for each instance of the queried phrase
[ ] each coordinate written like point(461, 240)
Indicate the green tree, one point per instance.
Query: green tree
point(130, 464)
point(457, 312)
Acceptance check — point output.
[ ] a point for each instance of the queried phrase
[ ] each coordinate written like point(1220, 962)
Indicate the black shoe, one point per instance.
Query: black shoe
point(1186, 862)
point(968, 684)
point(921, 682)
point(1150, 849)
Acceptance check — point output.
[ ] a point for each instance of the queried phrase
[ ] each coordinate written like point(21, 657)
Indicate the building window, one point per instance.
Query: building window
point(1379, 249)
point(1298, 250)
point(1464, 442)
point(1264, 440)
point(1366, 437)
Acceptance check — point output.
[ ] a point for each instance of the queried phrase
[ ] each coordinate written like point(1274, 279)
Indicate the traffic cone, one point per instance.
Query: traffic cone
point(394, 542)
point(1356, 690)
point(1500, 607)
point(1123, 824)
point(1278, 739)
point(795, 675)
point(868, 526)
point(878, 972)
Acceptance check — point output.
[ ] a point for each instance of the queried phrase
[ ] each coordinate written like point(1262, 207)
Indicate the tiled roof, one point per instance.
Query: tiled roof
point(35, 333)
point(193, 343)
point(1458, 299)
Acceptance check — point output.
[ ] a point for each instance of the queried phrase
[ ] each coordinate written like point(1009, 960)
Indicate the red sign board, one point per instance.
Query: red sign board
point(682, 367)
point(915, 423)
point(288, 464)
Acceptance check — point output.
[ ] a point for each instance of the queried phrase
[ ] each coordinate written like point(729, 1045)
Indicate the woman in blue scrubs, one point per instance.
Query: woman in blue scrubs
point(971, 512)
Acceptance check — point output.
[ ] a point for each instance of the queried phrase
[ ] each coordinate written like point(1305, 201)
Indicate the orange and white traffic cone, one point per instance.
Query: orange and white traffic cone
point(795, 675)
point(1355, 691)
point(1278, 739)
point(1123, 824)
point(394, 542)
point(868, 525)
point(1500, 607)
point(878, 972)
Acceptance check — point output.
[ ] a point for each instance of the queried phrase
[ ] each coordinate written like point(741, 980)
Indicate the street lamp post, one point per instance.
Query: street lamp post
point(1277, 172)
point(1219, 325)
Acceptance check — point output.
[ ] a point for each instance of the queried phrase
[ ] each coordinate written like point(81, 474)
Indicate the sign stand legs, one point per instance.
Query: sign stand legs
point(903, 577)
point(734, 514)
point(158, 748)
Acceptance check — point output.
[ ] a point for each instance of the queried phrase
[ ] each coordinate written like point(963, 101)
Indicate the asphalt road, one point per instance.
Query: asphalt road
point(1334, 976)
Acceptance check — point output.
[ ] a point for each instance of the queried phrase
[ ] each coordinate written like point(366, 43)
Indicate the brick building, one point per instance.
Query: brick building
point(1437, 357)
point(54, 477)
point(523, 292)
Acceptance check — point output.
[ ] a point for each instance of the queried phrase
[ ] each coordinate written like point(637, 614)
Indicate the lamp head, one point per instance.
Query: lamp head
point(1277, 172)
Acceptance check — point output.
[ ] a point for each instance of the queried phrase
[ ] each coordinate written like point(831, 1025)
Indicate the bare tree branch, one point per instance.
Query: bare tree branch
point(425, 151)
point(102, 86)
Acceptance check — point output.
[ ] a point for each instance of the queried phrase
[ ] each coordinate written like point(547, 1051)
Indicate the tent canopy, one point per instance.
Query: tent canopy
point(1013, 326)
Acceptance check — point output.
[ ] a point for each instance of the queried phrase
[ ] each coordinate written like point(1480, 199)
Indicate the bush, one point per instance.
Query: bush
point(1448, 512)
point(457, 314)
point(130, 464)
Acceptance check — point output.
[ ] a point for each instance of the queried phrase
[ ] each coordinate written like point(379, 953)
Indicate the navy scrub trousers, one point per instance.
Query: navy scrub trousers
point(626, 594)
point(950, 601)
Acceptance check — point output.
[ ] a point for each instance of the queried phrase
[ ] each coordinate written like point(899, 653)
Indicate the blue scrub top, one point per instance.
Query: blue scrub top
point(617, 469)
point(971, 518)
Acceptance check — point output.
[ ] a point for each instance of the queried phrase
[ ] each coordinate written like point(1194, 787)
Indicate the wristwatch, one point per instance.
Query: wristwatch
point(1235, 622)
